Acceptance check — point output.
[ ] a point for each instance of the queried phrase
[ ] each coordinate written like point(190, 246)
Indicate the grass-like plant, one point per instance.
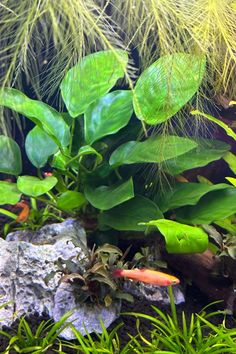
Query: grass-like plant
point(40, 341)
point(170, 335)
point(107, 342)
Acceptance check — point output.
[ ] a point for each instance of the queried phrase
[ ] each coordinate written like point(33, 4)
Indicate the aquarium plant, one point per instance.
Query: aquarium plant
point(40, 41)
point(95, 150)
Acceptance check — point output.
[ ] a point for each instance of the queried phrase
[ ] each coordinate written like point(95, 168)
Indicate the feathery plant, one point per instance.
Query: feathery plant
point(41, 39)
point(159, 27)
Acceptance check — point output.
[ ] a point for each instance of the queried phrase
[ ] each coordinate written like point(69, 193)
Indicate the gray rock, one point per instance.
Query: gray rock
point(85, 317)
point(27, 258)
point(153, 292)
point(8, 261)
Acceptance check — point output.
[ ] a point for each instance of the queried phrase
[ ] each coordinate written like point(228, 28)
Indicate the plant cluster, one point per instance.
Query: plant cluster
point(168, 334)
point(96, 149)
point(95, 284)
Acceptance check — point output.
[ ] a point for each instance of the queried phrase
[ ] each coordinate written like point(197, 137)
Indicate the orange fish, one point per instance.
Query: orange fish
point(147, 276)
point(24, 214)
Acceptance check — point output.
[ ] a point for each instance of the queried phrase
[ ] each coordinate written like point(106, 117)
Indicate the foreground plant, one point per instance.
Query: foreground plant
point(44, 337)
point(170, 335)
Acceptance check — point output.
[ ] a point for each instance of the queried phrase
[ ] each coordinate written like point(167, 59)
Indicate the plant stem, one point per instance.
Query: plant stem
point(34, 203)
point(172, 305)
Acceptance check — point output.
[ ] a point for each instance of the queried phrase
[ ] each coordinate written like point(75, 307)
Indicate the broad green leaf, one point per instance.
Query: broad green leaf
point(212, 207)
point(40, 113)
point(128, 215)
point(39, 147)
point(9, 193)
point(221, 124)
point(92, 78)
point(10, 156)
point(167, 85)
point(155, 149)
point(186, 194)
point(70, 200)
point(231, 180)
point(34, 186)
point(106, 197)
point(230, 158)
point(181, 238)
point(108, 115)
point(206, 152)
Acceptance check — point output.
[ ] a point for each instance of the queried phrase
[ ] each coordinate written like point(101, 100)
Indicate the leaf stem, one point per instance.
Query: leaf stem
point(8, 213)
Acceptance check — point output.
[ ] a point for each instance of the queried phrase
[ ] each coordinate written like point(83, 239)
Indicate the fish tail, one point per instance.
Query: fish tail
point(117, 273)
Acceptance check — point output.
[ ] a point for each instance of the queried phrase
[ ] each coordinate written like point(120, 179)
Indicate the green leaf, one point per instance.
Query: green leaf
point(128, 215)
point(106, 197)
point(232, 250)
point(9, 193)
point(181, 238)
point(231, 161)
point(92, 78)
point(39, 147)
point(206, 152)
point(40, 113)
point(228, 225)
point(167, 85)
point(10, 156)
point(70, 200)
point(108, 115)
point(107, 248)
point(34, 186)
point(60, 161)
point(186, 194)
point(231, 180)
point(154, 150)
point(89, 150)
point(221, 124)
point(212, 207)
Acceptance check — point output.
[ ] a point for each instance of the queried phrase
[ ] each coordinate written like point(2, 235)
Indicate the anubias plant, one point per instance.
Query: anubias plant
point(95, 150)
point(200, 203)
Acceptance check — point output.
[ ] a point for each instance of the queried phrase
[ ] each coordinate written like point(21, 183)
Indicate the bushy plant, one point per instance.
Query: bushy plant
point(95, 284)
point(95, 150)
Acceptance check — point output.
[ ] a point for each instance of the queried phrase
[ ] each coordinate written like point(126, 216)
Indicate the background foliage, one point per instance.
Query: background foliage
point(41, 39)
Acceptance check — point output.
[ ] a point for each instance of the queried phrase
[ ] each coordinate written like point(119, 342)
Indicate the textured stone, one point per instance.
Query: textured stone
point(153, 292)
point(8, 264)
point(35, 254)
point(27, 258)
point(85, 315)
